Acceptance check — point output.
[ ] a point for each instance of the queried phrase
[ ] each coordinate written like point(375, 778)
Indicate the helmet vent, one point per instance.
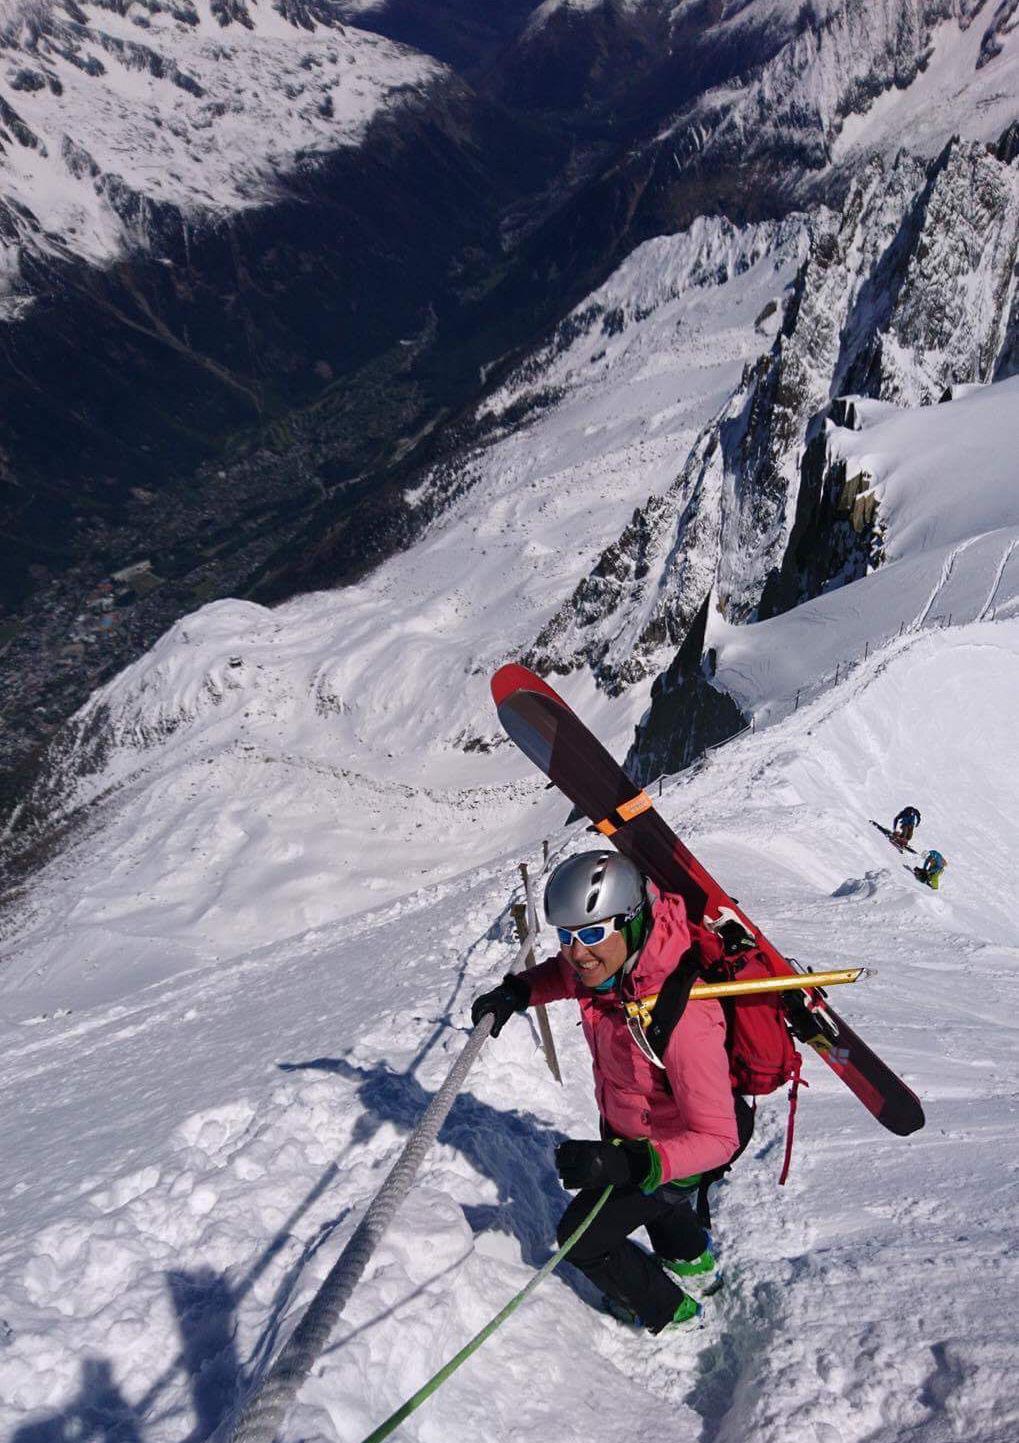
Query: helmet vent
point(591, 885)
point(597, 877)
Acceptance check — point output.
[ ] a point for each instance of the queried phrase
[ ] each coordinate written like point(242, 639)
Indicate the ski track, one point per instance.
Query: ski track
point(943, 580)
point(987, 610)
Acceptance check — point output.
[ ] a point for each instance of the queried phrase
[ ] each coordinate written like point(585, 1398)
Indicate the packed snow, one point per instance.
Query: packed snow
point(192, 1156)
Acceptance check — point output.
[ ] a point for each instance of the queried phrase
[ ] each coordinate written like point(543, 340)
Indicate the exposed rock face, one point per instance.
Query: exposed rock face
point(946, 285)
point(907, 291)
point(687, 714)
point(835, 537)
point(639, 601)
point(637, 604)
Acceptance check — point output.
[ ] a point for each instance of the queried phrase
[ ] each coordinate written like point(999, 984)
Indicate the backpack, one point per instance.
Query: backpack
point(762, 1057)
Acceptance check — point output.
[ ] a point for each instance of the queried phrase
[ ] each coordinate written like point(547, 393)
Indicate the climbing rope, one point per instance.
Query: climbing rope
point(262, 1415)
point(437, 1379)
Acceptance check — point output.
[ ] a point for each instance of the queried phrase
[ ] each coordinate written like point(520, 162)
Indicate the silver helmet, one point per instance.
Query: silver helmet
point(591, 887)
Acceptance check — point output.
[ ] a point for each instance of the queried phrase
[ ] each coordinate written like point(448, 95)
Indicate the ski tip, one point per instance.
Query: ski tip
point(905, 1121)
point(513, 678)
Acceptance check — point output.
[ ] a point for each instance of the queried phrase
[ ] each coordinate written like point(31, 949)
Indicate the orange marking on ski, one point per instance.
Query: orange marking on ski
point(634, 807)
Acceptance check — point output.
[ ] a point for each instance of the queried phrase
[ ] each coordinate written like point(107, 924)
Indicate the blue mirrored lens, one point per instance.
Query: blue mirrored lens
point(589, 936)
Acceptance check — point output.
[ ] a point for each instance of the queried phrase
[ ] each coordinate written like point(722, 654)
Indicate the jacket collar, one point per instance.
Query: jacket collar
point(667, 941)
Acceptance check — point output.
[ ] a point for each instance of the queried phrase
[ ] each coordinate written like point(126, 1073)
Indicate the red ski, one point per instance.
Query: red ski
point(548, 732)
point(897, 842)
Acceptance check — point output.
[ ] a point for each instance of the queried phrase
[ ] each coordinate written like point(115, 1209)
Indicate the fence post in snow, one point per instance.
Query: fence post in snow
point(796, 703)
point(544, 854)
point(866, 650)
point(525, 920)
point(838, 668)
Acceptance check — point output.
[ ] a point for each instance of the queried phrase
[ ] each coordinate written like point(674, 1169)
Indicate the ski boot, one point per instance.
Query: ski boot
point(686, 1318)
point(700, 1276)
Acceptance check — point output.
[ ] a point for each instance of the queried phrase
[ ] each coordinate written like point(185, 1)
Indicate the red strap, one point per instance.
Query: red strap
point(791, 1124)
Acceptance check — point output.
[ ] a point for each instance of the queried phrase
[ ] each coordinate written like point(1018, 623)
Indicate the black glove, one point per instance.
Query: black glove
point(512, 995)
point(734, 938)
point(596, 1164)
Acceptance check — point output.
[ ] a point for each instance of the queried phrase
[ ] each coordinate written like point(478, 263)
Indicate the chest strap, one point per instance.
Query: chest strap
point(657, 1015)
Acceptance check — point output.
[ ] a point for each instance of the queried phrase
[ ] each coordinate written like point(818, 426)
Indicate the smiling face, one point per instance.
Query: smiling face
point(597, 963)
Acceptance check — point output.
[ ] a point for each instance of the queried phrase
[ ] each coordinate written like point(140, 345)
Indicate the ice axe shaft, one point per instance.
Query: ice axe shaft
point(804, 980)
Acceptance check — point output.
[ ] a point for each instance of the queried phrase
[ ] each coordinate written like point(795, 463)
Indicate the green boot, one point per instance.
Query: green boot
point(686, 1318)
point(700, 1276)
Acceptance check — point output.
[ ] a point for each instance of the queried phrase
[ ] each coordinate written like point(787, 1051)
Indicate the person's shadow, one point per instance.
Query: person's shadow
point(205, 1305)
point(514, 1149)
point(100, 1411)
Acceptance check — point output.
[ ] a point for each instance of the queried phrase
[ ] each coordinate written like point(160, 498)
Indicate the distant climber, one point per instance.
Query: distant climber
point(905, 825)
point(933, 866)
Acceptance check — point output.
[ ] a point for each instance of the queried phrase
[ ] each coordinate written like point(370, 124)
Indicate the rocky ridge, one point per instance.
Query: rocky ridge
point(906, 292)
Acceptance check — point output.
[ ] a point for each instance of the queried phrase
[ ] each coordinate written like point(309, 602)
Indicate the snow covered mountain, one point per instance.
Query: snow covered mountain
point(231, 996)
point(305, 304)
point(758, 472)
point(125, 121)
point(908, 291)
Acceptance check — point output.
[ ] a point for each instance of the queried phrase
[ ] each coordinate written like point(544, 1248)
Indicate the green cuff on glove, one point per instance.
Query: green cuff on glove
point(653, 1177)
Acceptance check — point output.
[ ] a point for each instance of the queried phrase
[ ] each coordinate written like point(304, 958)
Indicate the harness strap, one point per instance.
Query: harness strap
point(670, 1004)
point(791, 1124)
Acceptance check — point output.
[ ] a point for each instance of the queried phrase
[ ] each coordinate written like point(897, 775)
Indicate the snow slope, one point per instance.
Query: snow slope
point(227, 1000)
point(968, 87)
point(347, 725)
point(948, 507)
point(192, 1157)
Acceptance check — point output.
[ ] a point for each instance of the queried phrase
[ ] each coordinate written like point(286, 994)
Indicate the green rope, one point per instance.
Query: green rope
point(437, 1379)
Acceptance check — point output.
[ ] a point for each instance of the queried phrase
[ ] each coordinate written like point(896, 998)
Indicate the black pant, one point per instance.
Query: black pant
point(620, 1268)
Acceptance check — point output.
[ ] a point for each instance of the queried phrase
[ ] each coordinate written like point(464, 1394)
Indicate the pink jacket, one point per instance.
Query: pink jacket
point(691, 1123)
